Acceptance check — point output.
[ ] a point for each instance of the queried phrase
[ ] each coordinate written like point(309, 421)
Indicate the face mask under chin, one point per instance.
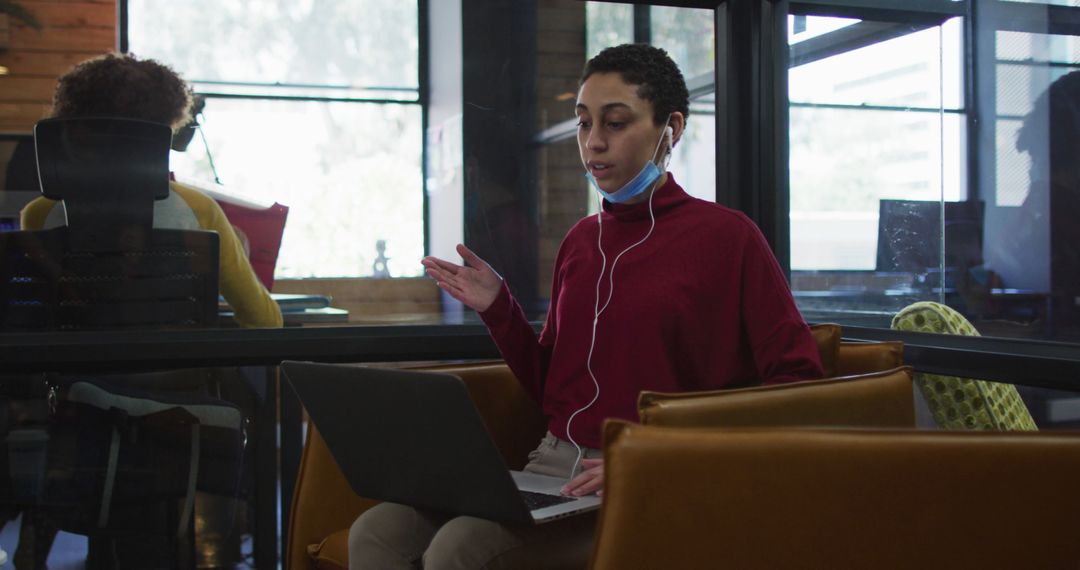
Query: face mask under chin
point(637, 185)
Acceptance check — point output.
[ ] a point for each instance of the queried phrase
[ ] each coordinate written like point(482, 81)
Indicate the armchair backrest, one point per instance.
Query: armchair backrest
point(844, 499)
point(880, 399)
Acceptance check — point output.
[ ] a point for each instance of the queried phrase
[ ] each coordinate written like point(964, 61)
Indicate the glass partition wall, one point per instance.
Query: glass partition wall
point(891, 153)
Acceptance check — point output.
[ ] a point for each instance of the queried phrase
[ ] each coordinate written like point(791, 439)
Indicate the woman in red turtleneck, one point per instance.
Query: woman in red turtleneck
point(659, 291)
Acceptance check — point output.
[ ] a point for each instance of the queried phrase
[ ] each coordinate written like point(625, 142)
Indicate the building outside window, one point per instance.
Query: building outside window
point(877, 137)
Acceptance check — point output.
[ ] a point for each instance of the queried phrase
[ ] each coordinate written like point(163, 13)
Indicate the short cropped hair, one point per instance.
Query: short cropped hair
point(658, 79)
point(120, 85)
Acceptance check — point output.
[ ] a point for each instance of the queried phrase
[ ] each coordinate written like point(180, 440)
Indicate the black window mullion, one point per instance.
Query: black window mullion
point(424, 95)
point(642, 24)
point(973, 71)
point(775, 194)
point(122, 26)
point(751, 116)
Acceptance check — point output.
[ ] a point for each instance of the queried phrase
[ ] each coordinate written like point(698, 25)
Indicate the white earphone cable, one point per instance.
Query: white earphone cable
point(598, 310)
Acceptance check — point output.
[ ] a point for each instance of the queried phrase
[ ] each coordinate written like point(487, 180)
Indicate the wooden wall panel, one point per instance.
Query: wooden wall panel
point(98, 40)
point(75, 15)
point(42, 64)
point(74, 30)
point(28, 89)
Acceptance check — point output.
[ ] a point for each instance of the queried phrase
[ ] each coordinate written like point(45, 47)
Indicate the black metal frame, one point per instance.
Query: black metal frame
point(122, 25)
point(642, 24)
point(1017, 361)
point(424, 80)
point(752, 115)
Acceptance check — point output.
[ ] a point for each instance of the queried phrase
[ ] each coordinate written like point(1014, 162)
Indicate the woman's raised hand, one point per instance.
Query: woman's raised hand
point(476, 284)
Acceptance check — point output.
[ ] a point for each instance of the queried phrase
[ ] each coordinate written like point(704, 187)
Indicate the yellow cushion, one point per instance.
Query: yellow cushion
point(962, 403)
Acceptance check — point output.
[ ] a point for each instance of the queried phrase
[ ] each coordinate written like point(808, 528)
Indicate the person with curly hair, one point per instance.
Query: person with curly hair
point(658, 291)
point(121, 85)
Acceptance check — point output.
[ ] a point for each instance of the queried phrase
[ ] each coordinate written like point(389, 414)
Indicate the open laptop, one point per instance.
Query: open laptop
point(416, 438)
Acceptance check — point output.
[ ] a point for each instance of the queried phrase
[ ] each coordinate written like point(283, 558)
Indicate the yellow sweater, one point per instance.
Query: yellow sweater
point(237, 282)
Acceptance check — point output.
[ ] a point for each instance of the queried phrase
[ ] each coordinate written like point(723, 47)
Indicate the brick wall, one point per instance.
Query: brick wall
point(561, 56)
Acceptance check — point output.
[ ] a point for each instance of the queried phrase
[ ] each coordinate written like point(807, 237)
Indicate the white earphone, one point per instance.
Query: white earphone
point(669, 134)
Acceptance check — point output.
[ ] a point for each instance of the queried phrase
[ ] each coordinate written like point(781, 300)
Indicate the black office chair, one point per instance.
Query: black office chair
point(108, 268)
point(130, 455)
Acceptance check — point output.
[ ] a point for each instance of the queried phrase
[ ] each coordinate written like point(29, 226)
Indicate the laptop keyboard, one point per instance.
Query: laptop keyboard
point(540, 500)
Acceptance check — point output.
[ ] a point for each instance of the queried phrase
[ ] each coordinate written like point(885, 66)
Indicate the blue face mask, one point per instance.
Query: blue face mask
point(638, 184)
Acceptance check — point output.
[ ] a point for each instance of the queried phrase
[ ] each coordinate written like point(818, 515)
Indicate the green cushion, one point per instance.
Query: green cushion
point(962, 403)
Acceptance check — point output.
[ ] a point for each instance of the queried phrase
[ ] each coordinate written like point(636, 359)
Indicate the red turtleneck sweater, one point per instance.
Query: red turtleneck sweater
point(702, 304)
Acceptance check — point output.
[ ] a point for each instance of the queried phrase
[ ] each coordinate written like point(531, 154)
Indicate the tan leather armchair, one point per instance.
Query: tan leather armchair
point(791, 498)
point(324, 505)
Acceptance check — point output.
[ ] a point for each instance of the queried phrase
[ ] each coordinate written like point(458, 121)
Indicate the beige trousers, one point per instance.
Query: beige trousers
point(391, 536)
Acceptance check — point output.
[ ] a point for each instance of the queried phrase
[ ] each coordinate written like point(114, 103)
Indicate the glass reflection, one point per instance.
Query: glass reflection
point(881, 151)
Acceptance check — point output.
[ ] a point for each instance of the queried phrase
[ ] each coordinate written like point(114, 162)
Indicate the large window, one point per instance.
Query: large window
point(314, 105)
